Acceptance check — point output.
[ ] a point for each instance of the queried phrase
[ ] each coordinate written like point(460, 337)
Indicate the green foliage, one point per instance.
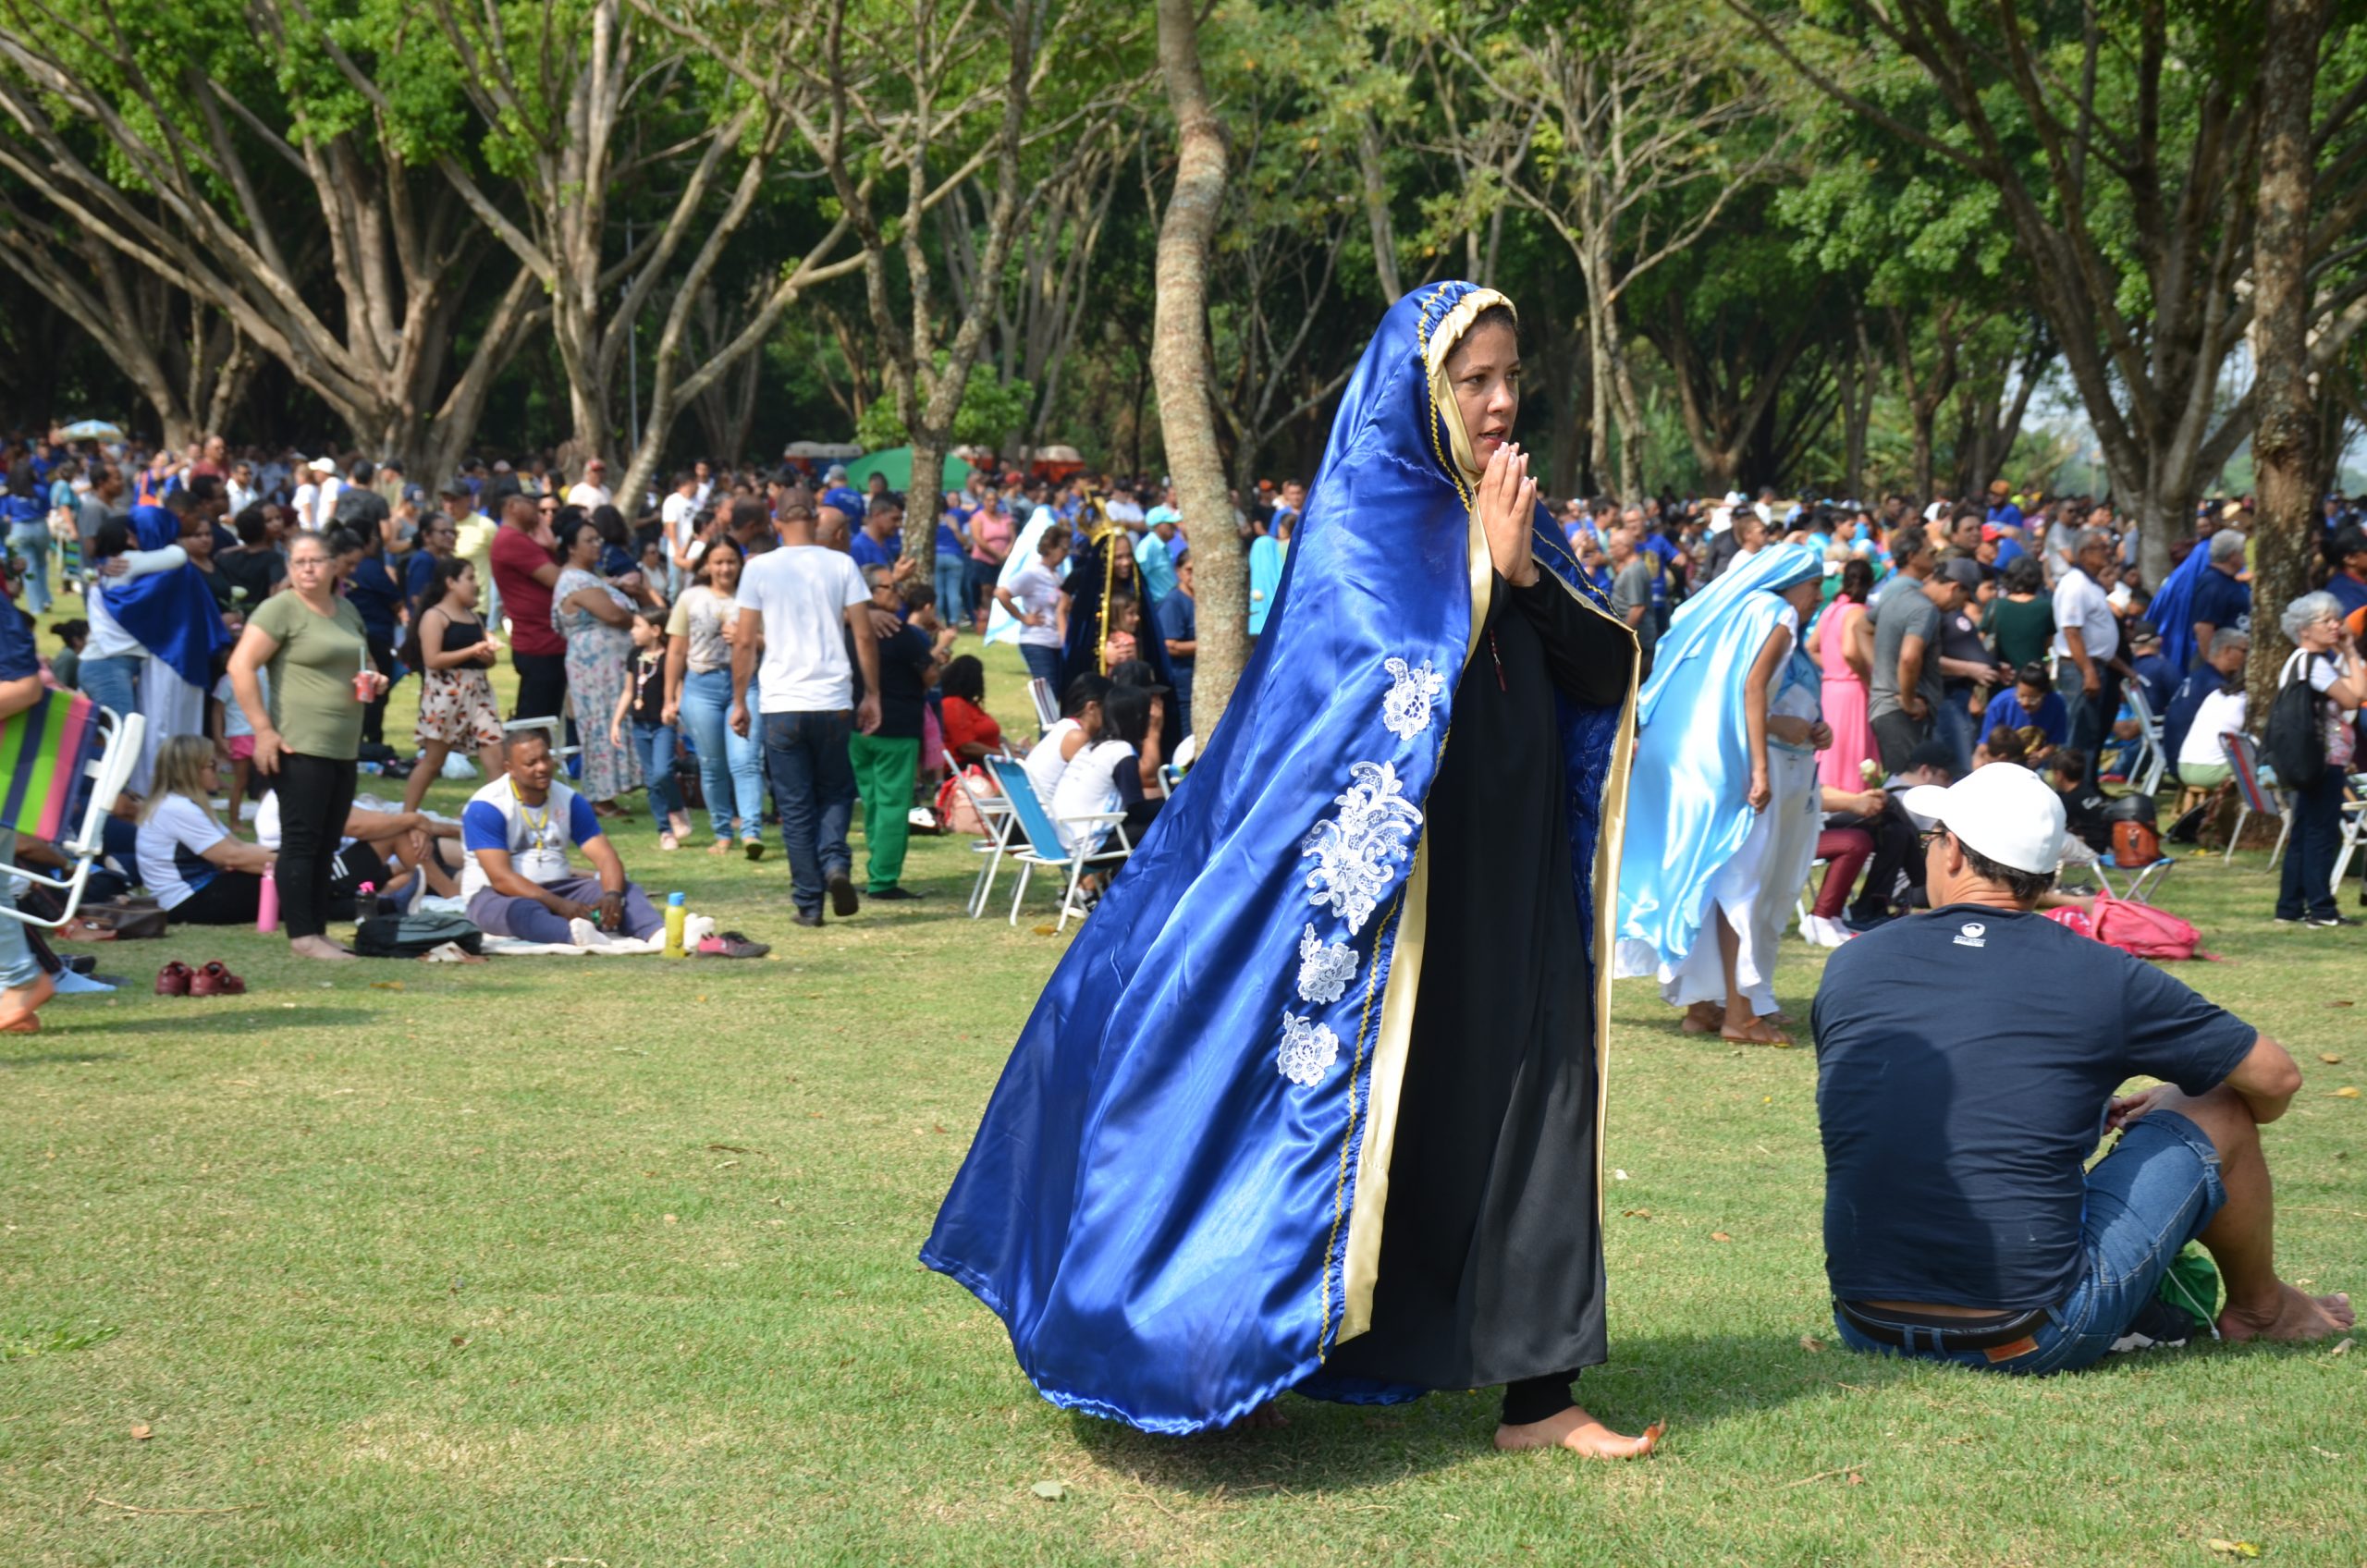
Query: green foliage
point(992, 408)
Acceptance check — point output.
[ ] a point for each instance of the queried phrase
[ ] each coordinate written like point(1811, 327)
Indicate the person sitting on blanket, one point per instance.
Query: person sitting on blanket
point(515, 832)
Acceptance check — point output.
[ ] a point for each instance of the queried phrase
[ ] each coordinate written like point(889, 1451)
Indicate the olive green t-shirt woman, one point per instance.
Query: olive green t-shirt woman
point(313, 704)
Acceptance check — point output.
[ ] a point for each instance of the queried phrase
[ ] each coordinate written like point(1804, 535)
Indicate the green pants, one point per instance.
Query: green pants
point(883, 773)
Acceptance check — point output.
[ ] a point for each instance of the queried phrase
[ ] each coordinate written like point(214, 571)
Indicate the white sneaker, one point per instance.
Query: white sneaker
point(1824, 932)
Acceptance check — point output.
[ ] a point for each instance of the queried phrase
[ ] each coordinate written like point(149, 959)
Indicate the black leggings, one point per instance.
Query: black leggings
point(315, 797)
point(373, 718)
point(228, 898)
point(1536, 1398)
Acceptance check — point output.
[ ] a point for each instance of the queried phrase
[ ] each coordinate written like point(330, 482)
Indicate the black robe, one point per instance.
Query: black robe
point(1491, 1248)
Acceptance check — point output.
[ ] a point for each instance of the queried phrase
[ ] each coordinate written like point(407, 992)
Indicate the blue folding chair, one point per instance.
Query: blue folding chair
point(1045, 846)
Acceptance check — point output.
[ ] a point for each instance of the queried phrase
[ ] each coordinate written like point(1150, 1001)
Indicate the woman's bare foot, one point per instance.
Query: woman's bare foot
point(317, 947)
point(720, 846)
point(2298, 1316)
point(19, 1004)
point(1703, 1018)
point(1580, 1433)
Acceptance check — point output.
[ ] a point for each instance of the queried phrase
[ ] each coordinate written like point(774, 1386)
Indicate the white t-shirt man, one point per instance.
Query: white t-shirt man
point(1037, 593)
point(802, 593)
point(2079, 602)
point(588, 496)
point(676, 516)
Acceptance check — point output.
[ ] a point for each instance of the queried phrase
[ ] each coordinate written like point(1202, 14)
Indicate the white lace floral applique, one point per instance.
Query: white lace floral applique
point(1357, 852)
point(1309, 1050)
point(1406, 709)
point(1324, 968)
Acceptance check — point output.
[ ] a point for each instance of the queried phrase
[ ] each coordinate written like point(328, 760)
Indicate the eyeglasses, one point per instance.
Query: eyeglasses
point(1929, 835)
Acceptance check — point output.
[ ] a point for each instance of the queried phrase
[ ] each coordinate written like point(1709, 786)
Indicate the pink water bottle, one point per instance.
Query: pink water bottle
point(267, 904)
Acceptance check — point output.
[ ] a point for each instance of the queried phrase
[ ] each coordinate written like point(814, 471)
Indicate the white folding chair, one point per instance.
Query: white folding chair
point(1045, 847)
point(2354, 828)
point(1047, 707)
point(2145, 774)
point(995, 815)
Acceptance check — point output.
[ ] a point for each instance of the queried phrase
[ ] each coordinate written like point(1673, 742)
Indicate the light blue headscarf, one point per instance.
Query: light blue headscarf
point(1688, 805)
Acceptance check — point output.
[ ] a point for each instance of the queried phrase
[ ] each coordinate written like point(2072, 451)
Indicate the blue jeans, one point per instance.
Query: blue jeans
point(1043, 664)
point(731, 767)
point(33, 544)
point(114, 682)
point(654, 746)
point(18, 968)
point(805, 755)
point(2154, 1194)
point(952, 571)
point(1953, 722)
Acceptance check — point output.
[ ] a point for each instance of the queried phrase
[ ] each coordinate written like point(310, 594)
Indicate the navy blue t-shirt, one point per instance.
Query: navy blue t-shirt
point(2219, 600)
point(19, 657)
point(1964, 1060)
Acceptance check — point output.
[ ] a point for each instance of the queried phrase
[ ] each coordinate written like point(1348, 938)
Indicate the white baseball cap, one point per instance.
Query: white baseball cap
point(2005, 812)
point(322, 465)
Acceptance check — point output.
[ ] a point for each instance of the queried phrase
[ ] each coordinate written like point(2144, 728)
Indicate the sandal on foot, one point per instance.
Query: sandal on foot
point(1758, 1033)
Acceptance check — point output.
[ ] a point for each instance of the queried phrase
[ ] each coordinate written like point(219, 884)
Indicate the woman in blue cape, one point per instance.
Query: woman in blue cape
point(161, 602)
point(1314, 1099)
point(1725, 806)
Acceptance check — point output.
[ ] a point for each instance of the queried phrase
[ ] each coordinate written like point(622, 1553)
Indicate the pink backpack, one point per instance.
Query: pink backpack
point(2143, 931)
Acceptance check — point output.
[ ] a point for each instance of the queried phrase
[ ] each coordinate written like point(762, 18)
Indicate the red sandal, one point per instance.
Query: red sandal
point(173, 980)
point(215, 980)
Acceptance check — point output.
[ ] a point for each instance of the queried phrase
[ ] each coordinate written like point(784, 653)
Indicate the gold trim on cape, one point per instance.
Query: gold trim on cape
point(1360, 1270)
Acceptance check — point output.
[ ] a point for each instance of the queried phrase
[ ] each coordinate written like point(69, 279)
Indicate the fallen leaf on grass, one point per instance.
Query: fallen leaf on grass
point(2345, 1093)
point(2341, 1004)
point(729, 1149)
point(385, 985)
point(1720, 1236)
point(2330, 1059)
point(1051, 1491)
point(1619, 1175)
point(672, 1220)
point(2233, 1549)
point(460, 1340)
point(1636, 1213)
point(142, 1432)
point(2339, 1348)
point(1810, 1343)
point(1046, 931)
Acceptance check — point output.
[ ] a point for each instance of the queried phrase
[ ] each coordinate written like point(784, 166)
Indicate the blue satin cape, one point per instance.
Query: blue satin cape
point(172, 613)
point(2172, 612)
point(1690, 806)
point(1174, 1199)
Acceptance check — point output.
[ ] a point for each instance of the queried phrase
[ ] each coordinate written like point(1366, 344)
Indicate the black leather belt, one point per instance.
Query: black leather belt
point(1959, 1333)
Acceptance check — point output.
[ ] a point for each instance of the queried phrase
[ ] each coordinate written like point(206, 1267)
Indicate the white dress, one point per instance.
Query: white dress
point(1757, 889)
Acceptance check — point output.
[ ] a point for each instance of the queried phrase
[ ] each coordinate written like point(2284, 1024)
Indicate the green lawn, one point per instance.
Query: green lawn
point(612, 1261)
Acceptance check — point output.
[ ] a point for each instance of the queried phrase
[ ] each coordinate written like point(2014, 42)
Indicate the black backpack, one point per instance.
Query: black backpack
point(2295, 740)
point(411, 935)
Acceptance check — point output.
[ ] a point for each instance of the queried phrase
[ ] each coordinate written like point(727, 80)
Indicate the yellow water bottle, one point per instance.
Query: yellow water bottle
point(675, 915)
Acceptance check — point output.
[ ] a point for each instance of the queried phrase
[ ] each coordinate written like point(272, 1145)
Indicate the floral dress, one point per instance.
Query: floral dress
point(599, 660)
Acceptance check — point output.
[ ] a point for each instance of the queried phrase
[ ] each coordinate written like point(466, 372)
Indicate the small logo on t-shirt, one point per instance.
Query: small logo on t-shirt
point(1972, 934)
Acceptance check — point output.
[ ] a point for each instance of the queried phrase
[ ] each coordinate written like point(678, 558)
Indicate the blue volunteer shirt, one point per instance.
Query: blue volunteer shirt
point(868, 551)
point(1964, 1060)
point(2219, 601)
point(2053, 717)
point(495, 818)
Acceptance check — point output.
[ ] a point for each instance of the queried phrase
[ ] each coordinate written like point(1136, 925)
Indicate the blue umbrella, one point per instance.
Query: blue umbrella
point(92, 430)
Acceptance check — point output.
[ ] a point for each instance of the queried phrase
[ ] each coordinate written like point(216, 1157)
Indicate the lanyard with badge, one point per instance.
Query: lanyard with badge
point(539, 837)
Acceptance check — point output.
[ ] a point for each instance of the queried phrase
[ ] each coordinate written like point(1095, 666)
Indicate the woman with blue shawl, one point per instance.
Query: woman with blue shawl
point(1315, 1100)
point(1725, 806)
point(161, 605)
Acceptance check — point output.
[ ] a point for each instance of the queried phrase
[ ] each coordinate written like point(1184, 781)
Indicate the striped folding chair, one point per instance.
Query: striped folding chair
point(2243, 759)
point(63, 762)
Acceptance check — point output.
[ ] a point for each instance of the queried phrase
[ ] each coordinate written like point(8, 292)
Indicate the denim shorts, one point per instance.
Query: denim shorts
point(2154, 1194)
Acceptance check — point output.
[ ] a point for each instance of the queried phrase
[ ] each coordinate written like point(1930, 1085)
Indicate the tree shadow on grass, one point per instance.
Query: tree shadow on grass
point(59, 1058)
point(1691, 1382)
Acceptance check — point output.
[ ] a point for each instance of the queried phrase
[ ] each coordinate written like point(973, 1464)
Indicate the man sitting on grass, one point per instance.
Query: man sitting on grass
point(1958, 1224)
point(515, 832)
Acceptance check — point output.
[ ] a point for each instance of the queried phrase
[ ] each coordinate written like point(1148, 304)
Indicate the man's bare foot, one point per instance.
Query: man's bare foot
point(2298, 1316)
point(317, 946)
point(1580, 1433)
point(1703, 1018)
point(1264, 1418)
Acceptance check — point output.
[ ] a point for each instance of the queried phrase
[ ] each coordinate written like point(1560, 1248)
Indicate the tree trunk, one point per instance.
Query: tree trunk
point(1180, 367)
point(2286, 518)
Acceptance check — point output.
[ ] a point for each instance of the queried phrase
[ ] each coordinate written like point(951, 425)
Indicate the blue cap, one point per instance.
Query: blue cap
point(673, 898)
